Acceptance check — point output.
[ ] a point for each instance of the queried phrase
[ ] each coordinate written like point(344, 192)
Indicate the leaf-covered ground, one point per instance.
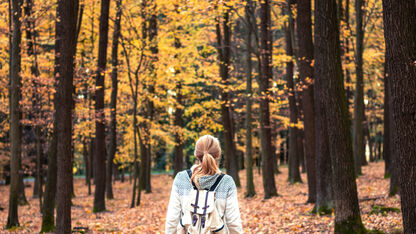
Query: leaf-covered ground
point(286, 213)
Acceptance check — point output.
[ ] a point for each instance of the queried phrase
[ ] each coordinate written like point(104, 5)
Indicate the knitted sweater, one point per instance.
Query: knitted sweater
point(226, 201)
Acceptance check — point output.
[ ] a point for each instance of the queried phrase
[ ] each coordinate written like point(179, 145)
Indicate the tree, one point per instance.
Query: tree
point(358, 128)
point(100, 156)
point(305, 57)
point(329, 73)
point(113, 105)
point(386, 123)
point(264, 84)
point(250, 192)
point(399, 33)
point(66, 33)
point(15, 113)
point(224, 57)
point(294, 173)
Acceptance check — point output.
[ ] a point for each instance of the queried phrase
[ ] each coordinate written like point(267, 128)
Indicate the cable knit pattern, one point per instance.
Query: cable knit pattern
point(226, 200)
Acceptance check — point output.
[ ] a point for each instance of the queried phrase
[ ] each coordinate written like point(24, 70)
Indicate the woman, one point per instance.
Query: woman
point(204, 176)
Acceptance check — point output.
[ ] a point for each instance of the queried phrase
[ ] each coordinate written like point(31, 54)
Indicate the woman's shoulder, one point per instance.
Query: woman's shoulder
point(227, 182)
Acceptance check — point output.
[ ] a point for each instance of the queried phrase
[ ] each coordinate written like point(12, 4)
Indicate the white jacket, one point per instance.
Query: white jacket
point(226, 201)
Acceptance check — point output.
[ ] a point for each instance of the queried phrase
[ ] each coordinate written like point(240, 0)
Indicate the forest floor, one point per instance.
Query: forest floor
point(286, 213)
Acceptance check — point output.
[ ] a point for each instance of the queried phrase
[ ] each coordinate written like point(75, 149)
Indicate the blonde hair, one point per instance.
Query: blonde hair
point(207, 150)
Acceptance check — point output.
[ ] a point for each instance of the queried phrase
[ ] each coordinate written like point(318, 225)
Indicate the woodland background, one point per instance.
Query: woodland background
point(109, 91)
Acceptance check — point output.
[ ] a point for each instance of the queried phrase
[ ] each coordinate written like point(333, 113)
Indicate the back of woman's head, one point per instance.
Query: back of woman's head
point(207, 150)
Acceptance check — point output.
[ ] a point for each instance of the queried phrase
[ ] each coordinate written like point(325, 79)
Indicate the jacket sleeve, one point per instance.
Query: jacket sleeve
point(232, 211)
point(174, 210)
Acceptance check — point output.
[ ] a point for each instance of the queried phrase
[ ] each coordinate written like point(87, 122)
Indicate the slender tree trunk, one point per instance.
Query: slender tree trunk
point(39, 173)
point(224, 57)
point(250, 192)
point(90, 163)
point(349, 92)
point(48, 218)
point(100, 156)
point(179, 136)
point(264, 83)
point(67, 19)
point(294, 173)
point(178, 121)
point(113, 105)
point(86, 161)
point(329, 73)
point(305, 57)
point(358, 131)
point(15, 114)
point(399, 33)
point(386, 123)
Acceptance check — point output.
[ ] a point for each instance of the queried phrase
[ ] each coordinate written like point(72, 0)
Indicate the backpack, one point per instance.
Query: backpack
point(200, 214)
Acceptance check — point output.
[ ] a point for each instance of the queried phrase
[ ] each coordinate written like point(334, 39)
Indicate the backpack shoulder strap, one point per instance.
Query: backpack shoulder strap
point(190, 178)
point(214, 186)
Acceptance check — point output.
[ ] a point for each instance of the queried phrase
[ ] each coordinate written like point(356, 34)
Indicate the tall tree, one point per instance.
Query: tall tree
point(224, 57)
point(358, 121)
point(15, 113)
point(329, 73)
point(399, 33)
point(100, 156)
point(305, 59)
point(66, 12)
point(250, 190)
point(390, 135)
point(294, 160)
point(113, 104)
point(178, 116)
point(264, 84)
point(386, 123)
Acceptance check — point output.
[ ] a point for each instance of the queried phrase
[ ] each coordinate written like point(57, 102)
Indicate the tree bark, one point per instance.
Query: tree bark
point(178, 119)
point(224, 57)
point(113, 104)
point(305, 57)
point(294, 173)
point(329, 73)
point(250, 190)
point(386, 123)
point(100, 156)
point(399, 33)
point(15, 113)
point(264, 83)
point(179, 136)
point(358, 131)
point(67, 11)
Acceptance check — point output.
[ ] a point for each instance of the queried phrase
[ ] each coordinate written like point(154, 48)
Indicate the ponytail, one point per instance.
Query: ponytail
point(207, 149)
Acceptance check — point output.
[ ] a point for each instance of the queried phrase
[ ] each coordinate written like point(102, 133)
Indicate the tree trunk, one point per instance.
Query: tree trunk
point(349, 92)
point(305, 57)
point(178, 121)
point(48, 219)
point(113, 105)
point(250, 190)
point(179, 136)
point(66, 22)
point(393, 163)
point(15, 113)
point(90, 163)
point(224, 56)
point(358, 131)
point(399, 32)
point(386, 124)
point(264, 84)
point(86, 161)
point(100, 156)
point(294, 173)
point(329, 73)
